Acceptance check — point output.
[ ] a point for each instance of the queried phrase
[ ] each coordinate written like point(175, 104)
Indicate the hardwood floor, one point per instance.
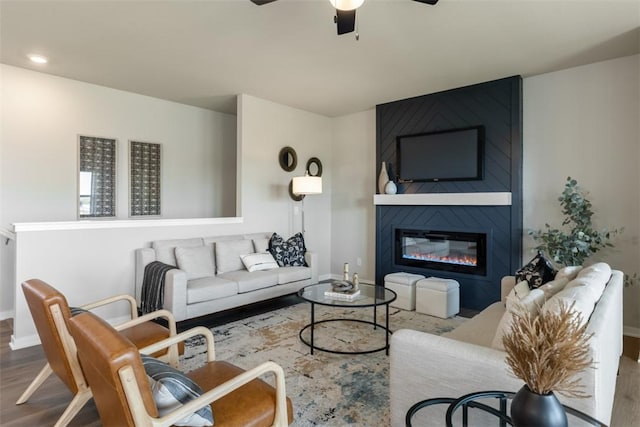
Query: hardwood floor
point(18, 368)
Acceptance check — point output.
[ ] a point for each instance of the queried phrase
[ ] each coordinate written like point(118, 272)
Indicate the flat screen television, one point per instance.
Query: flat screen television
point(451, 155)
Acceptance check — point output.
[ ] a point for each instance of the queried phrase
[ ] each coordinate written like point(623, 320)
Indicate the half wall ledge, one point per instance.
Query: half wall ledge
point(131, 223)
point(444, 199)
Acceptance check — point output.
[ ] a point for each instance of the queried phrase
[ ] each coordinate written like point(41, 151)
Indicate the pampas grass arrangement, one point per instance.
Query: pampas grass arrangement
point(546, 351)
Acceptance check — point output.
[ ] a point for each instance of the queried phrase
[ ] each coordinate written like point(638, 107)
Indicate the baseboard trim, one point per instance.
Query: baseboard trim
point(24, 342)
point(631, 331)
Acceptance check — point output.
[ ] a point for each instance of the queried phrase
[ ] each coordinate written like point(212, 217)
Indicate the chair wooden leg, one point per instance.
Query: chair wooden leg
point(35, 384)
point(78, 402)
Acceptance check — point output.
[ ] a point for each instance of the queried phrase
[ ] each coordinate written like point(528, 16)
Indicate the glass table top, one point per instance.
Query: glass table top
point(370, 295)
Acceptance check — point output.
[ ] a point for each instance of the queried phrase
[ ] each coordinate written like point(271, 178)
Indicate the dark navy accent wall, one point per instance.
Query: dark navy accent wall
point(497, 106)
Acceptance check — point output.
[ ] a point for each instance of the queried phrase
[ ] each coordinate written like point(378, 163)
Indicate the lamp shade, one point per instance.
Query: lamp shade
point(307, 185)
point(346, 4)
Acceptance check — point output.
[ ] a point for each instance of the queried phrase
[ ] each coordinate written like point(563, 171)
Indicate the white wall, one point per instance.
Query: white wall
point(584, 122)
point(266, 127)
point(353, 231)
point(90, 264)
point(42, 116)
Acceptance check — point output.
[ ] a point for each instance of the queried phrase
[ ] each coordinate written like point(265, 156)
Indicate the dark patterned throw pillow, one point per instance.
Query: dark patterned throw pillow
point(288, 253)
point(536, 272)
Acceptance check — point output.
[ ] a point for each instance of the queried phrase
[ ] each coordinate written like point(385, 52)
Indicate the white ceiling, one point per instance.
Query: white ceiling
point(203, 53)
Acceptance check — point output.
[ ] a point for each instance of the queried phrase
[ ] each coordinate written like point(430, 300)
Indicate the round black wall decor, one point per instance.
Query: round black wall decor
point(314, 167)
point(288, 159)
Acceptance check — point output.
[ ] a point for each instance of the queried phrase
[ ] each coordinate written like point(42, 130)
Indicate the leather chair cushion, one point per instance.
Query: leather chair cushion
point(149, 333)
point(252, 405)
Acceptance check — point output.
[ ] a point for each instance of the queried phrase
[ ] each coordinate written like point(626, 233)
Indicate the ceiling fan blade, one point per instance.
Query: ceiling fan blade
point(261, 2)
point(431, 2)
point(346, 21)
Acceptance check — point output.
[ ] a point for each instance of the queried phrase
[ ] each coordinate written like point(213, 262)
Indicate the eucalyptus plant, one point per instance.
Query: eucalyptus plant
point(577, 239)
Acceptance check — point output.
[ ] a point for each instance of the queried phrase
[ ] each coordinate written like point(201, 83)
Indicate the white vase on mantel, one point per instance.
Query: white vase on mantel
point(391, 188)
point(383, 178)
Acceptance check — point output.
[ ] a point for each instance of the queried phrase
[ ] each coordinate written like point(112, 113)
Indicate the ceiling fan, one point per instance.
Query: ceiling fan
point(345, 17)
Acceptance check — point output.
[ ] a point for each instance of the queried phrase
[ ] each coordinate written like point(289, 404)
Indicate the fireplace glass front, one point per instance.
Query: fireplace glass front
point(460, 252)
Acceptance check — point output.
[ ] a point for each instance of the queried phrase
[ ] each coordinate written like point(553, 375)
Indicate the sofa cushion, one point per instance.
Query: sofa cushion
point(210, 288)
point(171, 389)
point(531, 303)
point(582, 297)
point(594, 277)
point(293, 274)
point(537, 272)
point(259, 261)
point(197, 261)
point(553, 287)
point(228, 254)
point(165, 249)
point(248, 282)
point(260, 245)
point(480, 329)
point(569, 272)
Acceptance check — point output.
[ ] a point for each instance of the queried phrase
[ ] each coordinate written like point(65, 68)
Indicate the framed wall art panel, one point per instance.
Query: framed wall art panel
point(145, 179)
point(96, 177)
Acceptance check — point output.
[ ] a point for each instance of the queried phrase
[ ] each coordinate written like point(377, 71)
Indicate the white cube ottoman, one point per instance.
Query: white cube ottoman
point(404, 285)
point(438, 297)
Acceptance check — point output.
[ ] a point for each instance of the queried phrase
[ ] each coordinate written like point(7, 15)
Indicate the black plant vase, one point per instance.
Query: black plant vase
point(529, 409)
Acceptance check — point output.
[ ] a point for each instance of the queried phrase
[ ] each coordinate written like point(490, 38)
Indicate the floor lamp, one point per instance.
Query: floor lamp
point(306, 185)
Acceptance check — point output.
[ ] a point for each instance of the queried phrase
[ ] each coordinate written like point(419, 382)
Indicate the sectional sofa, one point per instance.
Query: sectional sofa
point(469, 358)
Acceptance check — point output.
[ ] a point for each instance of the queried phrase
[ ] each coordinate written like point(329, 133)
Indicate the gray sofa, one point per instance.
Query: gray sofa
point(466, 359)
point(212, 276)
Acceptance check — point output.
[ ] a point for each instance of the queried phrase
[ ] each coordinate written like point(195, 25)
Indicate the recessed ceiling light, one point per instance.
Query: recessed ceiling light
point(38, 59)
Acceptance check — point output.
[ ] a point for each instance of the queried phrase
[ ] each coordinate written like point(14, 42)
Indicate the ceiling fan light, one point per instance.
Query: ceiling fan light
point(346, 4)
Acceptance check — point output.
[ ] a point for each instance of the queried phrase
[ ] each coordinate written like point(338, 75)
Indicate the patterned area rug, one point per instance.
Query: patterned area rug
point(326, 389)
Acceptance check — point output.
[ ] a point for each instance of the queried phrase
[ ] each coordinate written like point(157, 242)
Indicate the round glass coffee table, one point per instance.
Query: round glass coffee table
point(370, 296)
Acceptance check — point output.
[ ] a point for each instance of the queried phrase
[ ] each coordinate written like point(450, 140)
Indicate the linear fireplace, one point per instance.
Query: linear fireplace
point(455, 251)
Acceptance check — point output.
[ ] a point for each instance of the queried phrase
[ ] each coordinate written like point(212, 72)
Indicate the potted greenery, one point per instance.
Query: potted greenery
point(577, 239)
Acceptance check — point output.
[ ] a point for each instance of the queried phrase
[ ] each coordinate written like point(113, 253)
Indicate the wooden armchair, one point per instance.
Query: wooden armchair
point(123, 395)
point(51, 313)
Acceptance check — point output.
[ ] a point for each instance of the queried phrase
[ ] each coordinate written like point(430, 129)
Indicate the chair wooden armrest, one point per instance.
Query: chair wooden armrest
point(132, 303)
point(193, 332)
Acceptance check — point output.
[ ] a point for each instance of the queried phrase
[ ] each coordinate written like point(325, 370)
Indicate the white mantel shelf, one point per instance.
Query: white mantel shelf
point(444, 199)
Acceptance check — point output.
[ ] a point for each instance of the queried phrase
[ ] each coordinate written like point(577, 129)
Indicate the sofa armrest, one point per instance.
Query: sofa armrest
point(506, 284)
point(175, 293)
point(426, 366)
point(312, 261)
point(143, 257)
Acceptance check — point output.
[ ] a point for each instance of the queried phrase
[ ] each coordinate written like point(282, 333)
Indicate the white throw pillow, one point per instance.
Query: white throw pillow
point(259, 261)
point(197, 262)
point(228, 254)
point(530, 303)
point(518, 292)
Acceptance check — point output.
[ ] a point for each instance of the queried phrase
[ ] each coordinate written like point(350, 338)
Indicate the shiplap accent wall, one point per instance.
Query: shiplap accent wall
point(497, 106)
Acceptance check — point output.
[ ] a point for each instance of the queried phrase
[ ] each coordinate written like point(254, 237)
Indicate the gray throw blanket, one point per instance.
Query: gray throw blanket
point(152, 296)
